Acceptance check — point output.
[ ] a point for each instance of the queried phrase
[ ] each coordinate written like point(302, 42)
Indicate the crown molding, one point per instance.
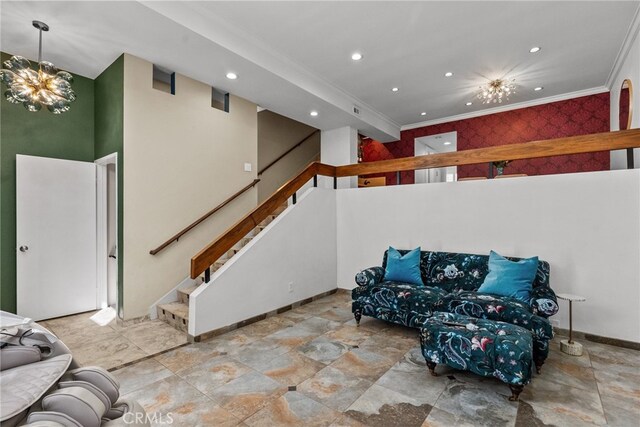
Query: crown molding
point(629, 39)
point(503, 108)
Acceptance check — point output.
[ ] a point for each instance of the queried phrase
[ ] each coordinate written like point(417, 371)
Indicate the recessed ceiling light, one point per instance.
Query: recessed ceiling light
point(394, 89)
point(448, 74)
point(232, 76)
point(468, 103)
point(313, 113)
point(538, 88)
point(447, 143)
point(424, 113)
point(534, 49)
point(356, 56)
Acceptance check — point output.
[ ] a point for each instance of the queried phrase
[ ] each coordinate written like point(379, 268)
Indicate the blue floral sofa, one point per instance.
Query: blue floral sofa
point(451, 281)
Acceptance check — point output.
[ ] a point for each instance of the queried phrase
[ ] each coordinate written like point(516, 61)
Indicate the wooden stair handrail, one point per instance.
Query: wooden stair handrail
point(210, 254)
point(606, 141)
point(188, 228)
point(261, 171)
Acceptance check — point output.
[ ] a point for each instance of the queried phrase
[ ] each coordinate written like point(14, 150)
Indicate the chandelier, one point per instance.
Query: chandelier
point(496, 91)
point(48, 86)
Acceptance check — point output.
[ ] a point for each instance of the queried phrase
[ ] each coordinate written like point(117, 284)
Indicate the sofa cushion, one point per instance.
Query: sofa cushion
point(492, 307)
point(403, 268)
point(456, 271)
point(510, 278)
point(424, 256)
point(400, 297)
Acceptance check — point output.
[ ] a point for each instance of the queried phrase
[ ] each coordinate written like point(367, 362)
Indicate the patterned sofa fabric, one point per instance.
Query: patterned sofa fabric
point(451, 280)
point(455, 272)
point(370, 276)
point(504, 309)
point(487, 348)
point(398, 297)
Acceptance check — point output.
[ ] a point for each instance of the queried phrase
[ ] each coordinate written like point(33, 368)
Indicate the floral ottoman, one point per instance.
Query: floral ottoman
point(485, 347)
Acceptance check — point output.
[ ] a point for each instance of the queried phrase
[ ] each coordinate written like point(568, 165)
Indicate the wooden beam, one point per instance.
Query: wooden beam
point(605, 141)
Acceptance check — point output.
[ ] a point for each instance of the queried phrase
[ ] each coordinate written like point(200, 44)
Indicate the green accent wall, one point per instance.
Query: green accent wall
point(109, 134)
point(66, 136)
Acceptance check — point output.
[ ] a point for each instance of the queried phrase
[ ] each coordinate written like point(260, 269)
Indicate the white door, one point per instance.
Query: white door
point(56, 236)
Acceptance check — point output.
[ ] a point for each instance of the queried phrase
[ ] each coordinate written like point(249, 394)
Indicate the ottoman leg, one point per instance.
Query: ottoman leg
point(358, 315)
point(515, 392)
point(432, 368)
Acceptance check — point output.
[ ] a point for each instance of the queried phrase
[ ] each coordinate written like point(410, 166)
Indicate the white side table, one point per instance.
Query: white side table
point(569, 346)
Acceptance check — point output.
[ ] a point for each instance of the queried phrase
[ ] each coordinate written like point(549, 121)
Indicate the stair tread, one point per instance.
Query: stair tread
point(189, 290)
point(176, 308)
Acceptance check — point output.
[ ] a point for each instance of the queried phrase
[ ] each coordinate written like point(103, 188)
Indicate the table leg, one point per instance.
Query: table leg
point(570, 322)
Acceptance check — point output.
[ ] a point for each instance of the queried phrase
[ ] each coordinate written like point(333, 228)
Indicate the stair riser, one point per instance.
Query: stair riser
point(181, 323)
point(175, 321)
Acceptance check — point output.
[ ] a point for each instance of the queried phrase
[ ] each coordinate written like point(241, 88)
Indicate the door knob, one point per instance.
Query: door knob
point(24, 248)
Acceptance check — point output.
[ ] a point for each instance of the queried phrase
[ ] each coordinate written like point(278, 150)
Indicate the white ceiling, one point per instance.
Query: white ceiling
point(292, 57)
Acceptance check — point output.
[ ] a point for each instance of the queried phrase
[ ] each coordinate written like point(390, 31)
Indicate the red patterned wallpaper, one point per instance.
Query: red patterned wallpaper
point(578, 116)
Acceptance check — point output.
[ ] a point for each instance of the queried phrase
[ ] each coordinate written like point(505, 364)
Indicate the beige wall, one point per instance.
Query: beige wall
point(181, 158)
point(276, 134)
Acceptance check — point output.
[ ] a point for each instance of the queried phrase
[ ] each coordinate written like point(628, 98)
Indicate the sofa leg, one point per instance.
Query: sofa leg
point(515, 392)
point(358, 316)
point(538, 363)
point(432, 368)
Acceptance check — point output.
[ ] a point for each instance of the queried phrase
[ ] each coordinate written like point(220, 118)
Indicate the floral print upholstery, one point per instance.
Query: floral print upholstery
point(454, 272)
point(451, 281)
point(510, 310)
point(487, 348)
point(414, 304)
point(370, 276)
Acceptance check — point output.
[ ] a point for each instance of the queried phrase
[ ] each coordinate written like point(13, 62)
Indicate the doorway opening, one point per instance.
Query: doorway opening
point(433, 144)
point(107, 232)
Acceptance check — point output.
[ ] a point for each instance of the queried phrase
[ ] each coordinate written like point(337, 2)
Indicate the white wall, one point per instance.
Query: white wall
point(181, 158)
point(630, 69)
point(587, 226)
point(298, 247)
point(339, 147)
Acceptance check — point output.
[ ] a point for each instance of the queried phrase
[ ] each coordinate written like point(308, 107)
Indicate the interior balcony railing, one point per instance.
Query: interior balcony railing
point(606, 141)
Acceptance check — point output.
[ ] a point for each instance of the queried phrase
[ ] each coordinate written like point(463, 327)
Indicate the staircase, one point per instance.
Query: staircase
point(176, 313)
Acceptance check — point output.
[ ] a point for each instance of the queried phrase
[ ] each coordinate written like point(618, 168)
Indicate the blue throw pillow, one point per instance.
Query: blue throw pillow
point(403, 268)
point(510, 278)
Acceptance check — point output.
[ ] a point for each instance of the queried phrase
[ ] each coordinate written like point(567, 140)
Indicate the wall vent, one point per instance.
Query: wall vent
point(164, 80)
point(220, 100)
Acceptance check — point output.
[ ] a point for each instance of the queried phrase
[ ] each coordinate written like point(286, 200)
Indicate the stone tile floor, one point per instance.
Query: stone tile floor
point(311, 366)
point(113, 345)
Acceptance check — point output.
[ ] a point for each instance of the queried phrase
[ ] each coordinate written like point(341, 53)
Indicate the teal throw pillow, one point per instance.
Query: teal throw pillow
point(403, 268)
point(510, 278)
